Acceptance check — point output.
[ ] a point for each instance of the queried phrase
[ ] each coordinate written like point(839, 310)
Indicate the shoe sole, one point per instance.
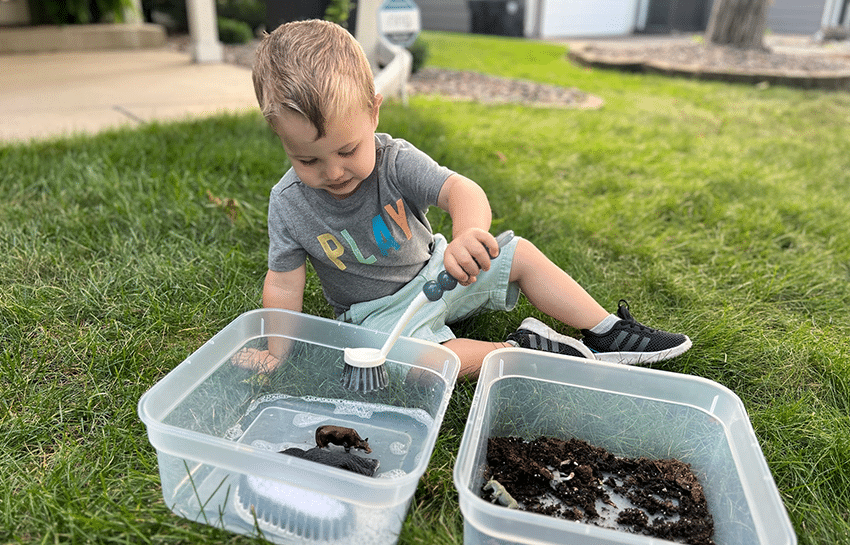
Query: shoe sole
point(634, 358)
point(539, 328)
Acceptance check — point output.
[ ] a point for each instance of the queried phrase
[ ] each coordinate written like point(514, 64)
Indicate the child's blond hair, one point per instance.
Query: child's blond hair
point(315, 68)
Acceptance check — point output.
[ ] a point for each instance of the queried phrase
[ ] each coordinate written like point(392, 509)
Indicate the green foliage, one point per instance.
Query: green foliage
point(338, 11)
point(717, 210)
point(251, 12)
point(419, 50)
point(231, 31)
point(64, 12)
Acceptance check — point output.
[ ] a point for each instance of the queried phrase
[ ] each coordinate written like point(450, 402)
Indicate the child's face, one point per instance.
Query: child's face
point(339, 161)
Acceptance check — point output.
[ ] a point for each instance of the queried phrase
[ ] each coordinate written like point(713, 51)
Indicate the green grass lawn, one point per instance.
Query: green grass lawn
point(720, 211)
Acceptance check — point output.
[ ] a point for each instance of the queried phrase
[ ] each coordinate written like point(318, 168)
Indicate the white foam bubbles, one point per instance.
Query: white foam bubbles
point(392, 474)
point(306, 420)
point(233, 432)
point(398, 448)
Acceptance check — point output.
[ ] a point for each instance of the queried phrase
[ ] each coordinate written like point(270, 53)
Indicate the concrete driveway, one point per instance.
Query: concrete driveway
point(54, 94)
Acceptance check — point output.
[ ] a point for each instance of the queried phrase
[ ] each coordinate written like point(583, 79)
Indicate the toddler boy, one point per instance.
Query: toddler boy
point(354, 204)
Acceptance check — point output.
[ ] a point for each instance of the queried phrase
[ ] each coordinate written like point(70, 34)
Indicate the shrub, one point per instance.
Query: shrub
point(338, 12)
point(63, 12)
point(419, 50)
point(252, 12)
point(231, 31)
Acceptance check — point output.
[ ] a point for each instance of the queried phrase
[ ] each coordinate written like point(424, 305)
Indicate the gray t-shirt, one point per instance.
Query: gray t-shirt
point(368, 245)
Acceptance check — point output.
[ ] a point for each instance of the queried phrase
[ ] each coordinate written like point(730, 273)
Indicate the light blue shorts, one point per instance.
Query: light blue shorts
point(492, 290)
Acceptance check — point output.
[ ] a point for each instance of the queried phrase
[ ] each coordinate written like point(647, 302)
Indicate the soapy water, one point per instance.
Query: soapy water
point(392, 474)
point(396, 448)
point(307, 420)
point(259, 444)
point(268, 398)
point(275, 422)
point(233, 433)
point(343, 407)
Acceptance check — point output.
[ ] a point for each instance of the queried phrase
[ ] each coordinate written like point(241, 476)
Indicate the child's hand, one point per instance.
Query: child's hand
point(470, 253)
point(260, 361)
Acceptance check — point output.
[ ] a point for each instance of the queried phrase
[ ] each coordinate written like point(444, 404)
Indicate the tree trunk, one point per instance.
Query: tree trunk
point(738, 23)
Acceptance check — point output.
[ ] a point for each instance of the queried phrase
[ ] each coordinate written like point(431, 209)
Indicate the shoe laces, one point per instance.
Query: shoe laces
point(625, 315)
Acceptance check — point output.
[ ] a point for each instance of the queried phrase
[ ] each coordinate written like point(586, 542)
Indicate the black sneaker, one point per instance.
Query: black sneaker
point(630, 342)
point(536, 335)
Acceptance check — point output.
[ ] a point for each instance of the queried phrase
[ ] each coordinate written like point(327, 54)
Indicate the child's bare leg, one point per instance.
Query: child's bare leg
point(550, 289)
point(553, 291)
point(619, 339)
point(471, 354)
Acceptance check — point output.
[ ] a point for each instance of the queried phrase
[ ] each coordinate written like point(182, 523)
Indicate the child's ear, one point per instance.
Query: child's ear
point(379, 99)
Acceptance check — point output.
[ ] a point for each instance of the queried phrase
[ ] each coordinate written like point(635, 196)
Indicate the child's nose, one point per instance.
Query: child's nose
point(334, 171)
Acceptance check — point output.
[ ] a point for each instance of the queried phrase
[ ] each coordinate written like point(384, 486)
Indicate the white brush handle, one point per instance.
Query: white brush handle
point(431, 291)
point(412, 309)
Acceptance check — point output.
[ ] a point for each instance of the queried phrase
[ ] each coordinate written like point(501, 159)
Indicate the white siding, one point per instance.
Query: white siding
point(795, 16)
point(588, 17)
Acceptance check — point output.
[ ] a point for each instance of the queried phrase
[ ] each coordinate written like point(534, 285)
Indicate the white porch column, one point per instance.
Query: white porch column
point(367, 29)
point(830, 13)
point(533, 19)
point(391, 81)
point(203, 28)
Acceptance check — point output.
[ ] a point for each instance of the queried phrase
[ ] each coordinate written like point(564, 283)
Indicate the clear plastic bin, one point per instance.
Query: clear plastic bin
point(218, 429)
point(631, 412)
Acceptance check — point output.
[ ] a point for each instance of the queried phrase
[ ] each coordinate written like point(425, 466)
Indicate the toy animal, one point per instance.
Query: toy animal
point(338, 435)
point(500, 494)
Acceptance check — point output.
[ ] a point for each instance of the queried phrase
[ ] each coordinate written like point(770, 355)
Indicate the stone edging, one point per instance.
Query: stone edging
point(837, 81)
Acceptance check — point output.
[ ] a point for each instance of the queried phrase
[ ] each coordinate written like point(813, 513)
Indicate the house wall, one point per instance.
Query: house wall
point(587, 17)
point(448, 15)
point(543, 18)
point(666, 16)
point(555, 18)
point(795, 16)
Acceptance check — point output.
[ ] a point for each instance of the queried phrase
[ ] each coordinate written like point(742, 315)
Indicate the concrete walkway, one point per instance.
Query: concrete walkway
point(56, 94)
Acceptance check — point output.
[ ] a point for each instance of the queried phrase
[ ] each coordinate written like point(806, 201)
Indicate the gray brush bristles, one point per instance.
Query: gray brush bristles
point(364, 380)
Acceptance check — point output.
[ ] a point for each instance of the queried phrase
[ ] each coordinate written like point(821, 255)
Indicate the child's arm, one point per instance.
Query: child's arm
point(281, 290)
point(284, 290)
point(472, 245)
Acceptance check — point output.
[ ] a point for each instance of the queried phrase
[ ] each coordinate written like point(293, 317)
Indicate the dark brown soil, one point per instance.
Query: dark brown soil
point(574, 480)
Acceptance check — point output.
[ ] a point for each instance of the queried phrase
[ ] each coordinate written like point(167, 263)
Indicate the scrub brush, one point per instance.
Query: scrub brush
point(364, 369)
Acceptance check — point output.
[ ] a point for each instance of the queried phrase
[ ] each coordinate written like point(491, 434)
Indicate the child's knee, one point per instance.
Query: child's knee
point(525, 254)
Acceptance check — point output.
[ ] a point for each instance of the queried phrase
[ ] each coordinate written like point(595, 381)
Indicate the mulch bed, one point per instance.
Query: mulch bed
point(462, 84)
point(721, 63)
point(574, 480)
